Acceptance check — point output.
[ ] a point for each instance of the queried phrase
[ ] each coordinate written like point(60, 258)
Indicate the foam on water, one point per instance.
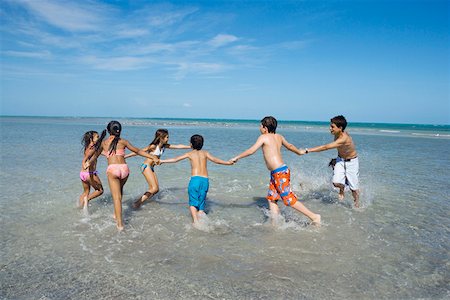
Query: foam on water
point(205, 224)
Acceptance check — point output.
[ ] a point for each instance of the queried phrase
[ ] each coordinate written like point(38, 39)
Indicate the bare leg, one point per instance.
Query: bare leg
point(315, 218)
point(153, 187)
point(193, 211)
point(116, 191)
point(341, 190)
point(355, 194)
point(274, 211)
point(84, 195)
point(97, 185)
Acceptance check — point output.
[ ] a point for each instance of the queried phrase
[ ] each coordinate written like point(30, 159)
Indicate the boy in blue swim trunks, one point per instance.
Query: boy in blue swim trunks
point(280, 176)
point(199, 183)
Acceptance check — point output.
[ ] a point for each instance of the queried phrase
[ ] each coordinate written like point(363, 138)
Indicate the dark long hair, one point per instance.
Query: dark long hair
point(87, 138)
point(114, 128)
point(100, 140)
point(159, 134)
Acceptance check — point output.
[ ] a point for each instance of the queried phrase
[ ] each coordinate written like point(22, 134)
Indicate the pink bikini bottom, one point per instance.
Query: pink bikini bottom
point(120, 171)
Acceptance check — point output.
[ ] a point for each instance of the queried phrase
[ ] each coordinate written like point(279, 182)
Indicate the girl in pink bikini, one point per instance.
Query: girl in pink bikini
point(89, 175)
point(114, 150)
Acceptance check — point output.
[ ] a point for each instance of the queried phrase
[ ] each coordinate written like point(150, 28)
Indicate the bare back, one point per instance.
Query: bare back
point(199, 160)
point(114, 159)
point(271, 147)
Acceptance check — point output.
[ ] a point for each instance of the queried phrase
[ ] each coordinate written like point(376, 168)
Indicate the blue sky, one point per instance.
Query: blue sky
point(372, 61)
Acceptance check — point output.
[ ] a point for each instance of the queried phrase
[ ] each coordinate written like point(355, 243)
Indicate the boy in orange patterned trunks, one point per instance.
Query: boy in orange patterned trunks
point(280, 186)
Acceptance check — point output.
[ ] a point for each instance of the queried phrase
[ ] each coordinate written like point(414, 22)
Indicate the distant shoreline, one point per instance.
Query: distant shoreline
point(249, 121)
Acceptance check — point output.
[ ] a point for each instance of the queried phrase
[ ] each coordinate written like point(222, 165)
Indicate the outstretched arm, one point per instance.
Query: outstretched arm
point(175, 159)
point(138, 151)
point(135, 154)
point(329, 146)
point(180, 146)
point(218, 160)
point(249, 151)
point(291, 147)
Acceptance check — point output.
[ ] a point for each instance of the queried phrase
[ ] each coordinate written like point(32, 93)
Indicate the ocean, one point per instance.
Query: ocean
point(396, 246)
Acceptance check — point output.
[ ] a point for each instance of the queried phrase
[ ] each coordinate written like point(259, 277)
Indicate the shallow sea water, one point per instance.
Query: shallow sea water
point(396, 246)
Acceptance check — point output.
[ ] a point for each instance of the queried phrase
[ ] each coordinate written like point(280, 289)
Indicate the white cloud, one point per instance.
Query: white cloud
point(69, 16)
point(130, 33)
point(187, 105)
point(167, 15)
point(117, 63)
point(43, 54)
point(221, 40)
point(185, 68)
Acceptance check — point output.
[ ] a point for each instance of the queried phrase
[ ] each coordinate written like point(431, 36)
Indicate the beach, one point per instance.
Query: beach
point(396, 246)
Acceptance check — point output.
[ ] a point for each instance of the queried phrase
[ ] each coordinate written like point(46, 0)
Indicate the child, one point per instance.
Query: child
point(346, 169)
point(156, 148)
point(280, 186)
point(114, 150)
point(199, 183)
point(88, 174)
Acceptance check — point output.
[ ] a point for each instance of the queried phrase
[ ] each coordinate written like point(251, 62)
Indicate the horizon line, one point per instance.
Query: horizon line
point(215, 118)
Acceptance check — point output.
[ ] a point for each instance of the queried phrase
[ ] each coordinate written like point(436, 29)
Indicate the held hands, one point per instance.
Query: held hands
point(234, 160)
point(302, 152)
point(230, 162)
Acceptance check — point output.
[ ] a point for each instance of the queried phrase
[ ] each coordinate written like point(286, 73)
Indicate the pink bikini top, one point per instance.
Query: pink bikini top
point(119, 152)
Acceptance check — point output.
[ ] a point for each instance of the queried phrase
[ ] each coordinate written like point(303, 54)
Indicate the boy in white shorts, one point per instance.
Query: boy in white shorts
point(346, 170)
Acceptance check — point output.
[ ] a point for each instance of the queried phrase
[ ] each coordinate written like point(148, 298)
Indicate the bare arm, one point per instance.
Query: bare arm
point(329, 146)
point(180, 146)
point(175, 159)
point(250, 151)
point(138, 151)
point(88, 157)
point(134, 154)
point(218, 160)
point(290, 147)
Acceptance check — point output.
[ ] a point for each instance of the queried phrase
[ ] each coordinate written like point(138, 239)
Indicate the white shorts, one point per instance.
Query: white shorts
point(346, 172)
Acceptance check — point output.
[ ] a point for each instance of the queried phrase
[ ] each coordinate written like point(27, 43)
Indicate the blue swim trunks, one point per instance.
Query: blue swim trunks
point(197, 189)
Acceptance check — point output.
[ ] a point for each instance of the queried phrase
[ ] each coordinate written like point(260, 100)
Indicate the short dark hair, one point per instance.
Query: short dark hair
point(270, 123)
point(197, 141)
point(339, 121)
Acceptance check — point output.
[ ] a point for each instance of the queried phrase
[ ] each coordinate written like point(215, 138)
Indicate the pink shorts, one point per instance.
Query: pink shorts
point(118, 170)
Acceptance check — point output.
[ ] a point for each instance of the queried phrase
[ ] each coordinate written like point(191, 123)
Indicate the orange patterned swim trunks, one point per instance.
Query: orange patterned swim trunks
point(280, 186)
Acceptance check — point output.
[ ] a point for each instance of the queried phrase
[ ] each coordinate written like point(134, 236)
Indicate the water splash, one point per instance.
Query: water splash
point(205, 224)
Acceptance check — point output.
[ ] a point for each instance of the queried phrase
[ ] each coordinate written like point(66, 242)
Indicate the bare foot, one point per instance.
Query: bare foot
point(357, 204)
point(317, 220)
point(341, 196)
point(119, 228)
